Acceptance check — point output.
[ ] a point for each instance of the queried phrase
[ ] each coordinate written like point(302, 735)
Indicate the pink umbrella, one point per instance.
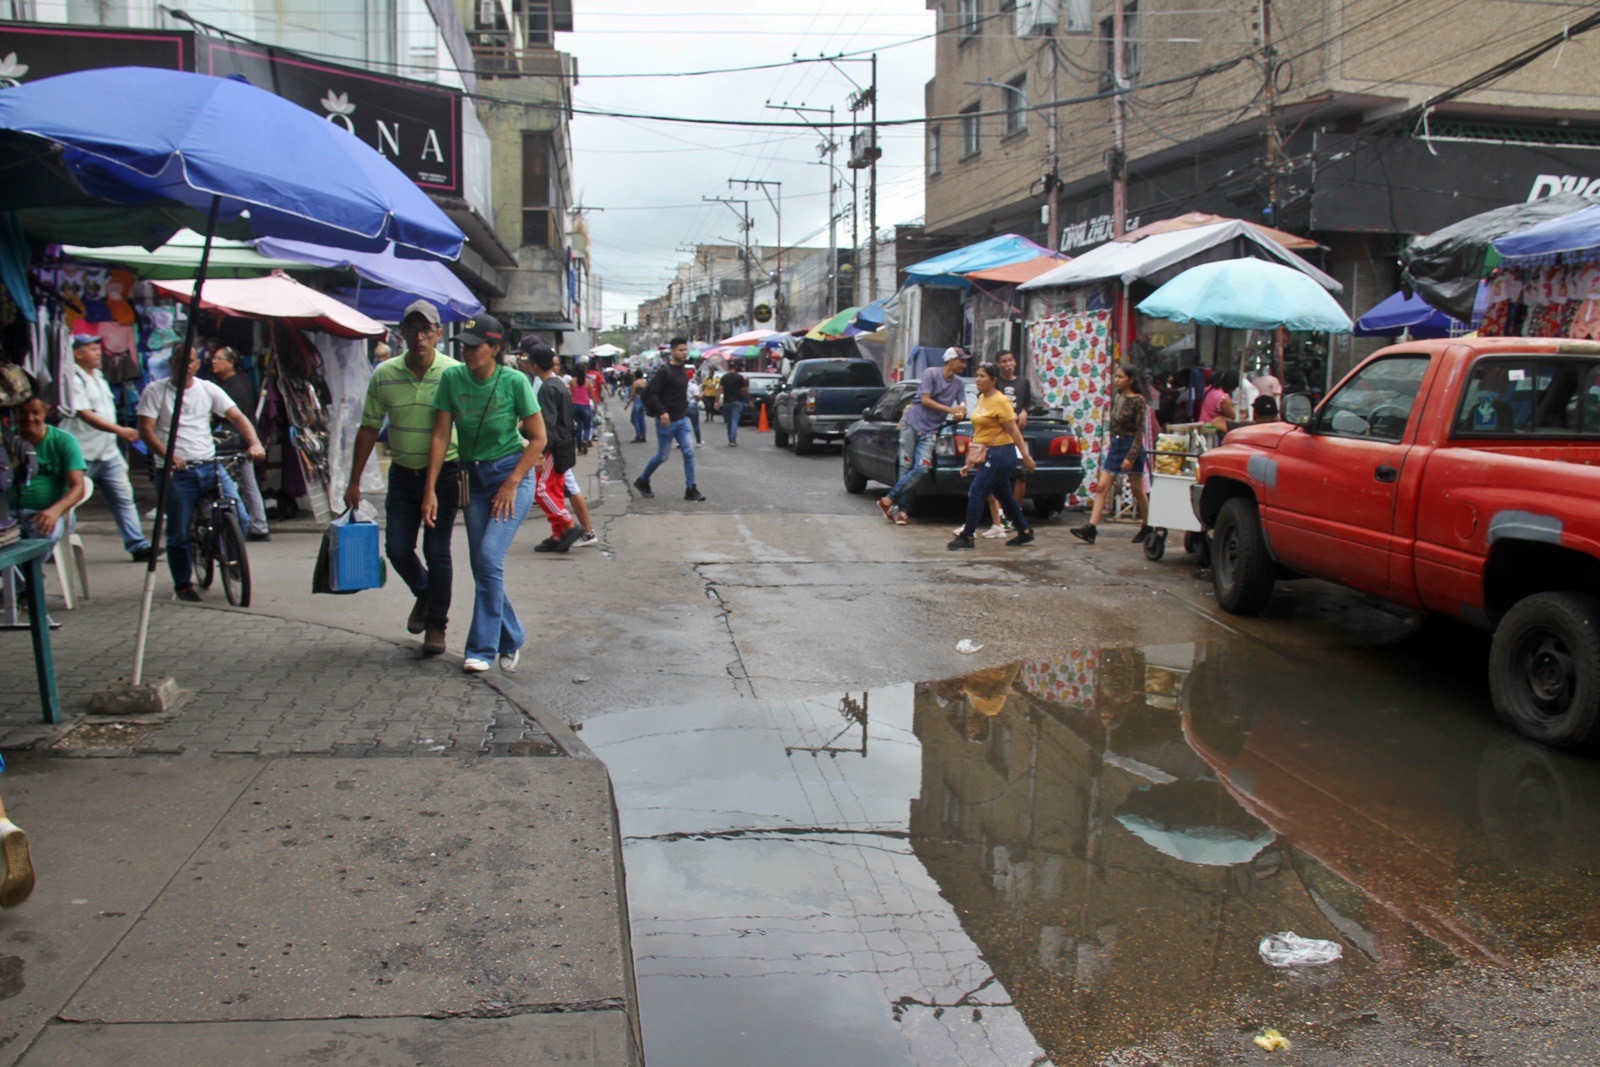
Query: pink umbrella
point(749, 337)
point(277, 297)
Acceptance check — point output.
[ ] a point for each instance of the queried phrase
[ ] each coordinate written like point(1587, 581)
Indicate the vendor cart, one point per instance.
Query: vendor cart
point(1173, 469)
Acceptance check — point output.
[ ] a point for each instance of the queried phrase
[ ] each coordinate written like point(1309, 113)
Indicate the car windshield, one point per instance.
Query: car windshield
point(764, 381)
point(827, 374)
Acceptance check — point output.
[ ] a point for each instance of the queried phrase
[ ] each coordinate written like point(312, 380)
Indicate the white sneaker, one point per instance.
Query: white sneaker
point(996, 531)
point(959, 530)
point(474, 665)
point(589, 540)
point(509, 663)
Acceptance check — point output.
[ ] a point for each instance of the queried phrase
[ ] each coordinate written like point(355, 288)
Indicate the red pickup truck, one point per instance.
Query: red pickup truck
point(1454, 476)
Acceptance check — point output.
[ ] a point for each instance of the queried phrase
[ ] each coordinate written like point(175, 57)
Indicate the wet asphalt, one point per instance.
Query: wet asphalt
point(847, 842)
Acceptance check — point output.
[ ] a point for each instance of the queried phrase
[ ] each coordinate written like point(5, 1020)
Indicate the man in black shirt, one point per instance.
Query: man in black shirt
point(735, 390)
point(666, 400)
point(225, 369)
point(560, 449)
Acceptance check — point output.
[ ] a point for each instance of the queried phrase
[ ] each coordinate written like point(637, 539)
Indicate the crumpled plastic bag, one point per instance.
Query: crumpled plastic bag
point(967, 646)
point(1271, 1041)
point(1288, 949)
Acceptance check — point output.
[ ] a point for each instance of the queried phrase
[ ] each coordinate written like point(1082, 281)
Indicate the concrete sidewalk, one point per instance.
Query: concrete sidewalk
point(254, 882)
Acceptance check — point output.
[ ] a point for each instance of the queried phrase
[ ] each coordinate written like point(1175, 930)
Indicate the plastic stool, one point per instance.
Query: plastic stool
point(69, 550)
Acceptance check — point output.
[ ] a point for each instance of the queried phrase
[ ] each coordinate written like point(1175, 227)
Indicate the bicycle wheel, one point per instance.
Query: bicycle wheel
point(234, 563)
point(202, 546)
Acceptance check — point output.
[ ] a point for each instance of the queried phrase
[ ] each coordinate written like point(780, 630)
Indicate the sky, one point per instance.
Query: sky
point(642, 181)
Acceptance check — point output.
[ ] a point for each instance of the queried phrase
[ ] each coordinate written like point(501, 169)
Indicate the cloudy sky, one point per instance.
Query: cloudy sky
point(649, 176)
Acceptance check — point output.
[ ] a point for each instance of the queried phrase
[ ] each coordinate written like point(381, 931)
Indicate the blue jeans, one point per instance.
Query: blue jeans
point(680, 432)
point(402, 509)
point(694, 419)
point(495, 626)
point(110, 478)
point(187, 486)
point(638, 419)
point(916, 456)
point(24, 518)
point(993, 478)
point(583, 423)
point(732, 411)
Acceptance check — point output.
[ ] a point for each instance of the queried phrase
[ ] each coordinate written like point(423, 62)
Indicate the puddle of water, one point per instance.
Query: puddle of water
point(1045, 860)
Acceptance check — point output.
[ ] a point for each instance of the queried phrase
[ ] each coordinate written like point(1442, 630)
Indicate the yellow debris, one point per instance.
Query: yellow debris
point(1272, 1041)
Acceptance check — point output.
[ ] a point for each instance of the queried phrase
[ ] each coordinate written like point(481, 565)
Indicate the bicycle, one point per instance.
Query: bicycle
point(216, 538)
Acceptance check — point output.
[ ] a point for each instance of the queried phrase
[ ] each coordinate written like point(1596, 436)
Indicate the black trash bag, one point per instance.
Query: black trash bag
point(1445, 267)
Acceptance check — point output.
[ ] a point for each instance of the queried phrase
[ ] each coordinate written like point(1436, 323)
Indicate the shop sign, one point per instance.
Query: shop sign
point(1095, 231)
point(1405, 185)
point(762, 313)
point(415, 125)
point(30, 51)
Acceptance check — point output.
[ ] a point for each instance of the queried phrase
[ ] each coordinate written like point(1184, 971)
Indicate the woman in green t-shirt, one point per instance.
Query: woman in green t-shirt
point(500, 436)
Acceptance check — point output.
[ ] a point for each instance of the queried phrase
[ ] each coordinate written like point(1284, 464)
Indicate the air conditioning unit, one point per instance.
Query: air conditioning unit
point(1035, 18)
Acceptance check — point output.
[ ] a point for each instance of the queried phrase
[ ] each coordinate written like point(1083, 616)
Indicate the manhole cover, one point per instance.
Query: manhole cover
point(105, 735)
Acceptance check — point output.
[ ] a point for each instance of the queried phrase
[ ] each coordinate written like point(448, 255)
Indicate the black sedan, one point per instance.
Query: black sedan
point(872, 446)
point(760, 392)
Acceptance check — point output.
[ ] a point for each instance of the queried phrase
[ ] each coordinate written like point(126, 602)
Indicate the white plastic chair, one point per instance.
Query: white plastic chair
point(69, 550)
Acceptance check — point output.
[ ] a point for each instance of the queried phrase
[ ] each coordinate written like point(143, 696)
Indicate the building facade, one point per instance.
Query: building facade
point(1297, 113)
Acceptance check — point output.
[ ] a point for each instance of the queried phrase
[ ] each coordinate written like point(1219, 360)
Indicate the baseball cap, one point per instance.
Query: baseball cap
point(423, 308)
point(954, 353)
point(481, 330)
point(81, 339)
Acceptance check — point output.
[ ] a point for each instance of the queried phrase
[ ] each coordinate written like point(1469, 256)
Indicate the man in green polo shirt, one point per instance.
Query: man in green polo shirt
point(44, 503)
point(402, 390)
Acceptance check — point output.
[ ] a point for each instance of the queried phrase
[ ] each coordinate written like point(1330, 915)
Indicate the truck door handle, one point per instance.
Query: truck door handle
point(1386, 474)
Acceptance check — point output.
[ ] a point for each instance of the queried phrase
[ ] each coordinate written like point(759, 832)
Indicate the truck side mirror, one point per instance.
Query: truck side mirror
point(1297, 409)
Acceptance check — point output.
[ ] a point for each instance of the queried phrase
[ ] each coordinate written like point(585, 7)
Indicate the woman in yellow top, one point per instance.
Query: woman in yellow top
point(995, 431)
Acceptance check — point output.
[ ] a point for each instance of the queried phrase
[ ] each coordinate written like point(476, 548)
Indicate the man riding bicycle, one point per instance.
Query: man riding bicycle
point(195, 469)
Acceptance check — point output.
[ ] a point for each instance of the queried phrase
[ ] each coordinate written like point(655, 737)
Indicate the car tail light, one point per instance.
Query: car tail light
point(811, 401)
point(1064, 446)
point(952, 445)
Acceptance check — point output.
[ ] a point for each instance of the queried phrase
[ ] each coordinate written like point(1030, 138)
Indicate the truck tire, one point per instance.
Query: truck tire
point(1046, 508)
point(854, 481)
point(780, 436)
point(1544, 669)
point(804, 443)
point(1241, 570)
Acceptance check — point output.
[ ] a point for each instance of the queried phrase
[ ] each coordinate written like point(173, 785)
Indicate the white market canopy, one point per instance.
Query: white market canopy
point(1124, 262)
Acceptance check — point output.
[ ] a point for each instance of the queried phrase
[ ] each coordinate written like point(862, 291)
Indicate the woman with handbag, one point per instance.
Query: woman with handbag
point(500, 439)
point(996, 449)
point(1125, 455)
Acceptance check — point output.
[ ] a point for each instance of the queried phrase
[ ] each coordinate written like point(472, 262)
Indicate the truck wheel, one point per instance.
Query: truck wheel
point(1048, 507)
point(780, 437)
point(1544, 669)
point(854, 481)
point(804, 443)
point(1241, 570)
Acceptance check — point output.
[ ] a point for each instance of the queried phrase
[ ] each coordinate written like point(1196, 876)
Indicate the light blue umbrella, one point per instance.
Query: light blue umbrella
point(1247, 294)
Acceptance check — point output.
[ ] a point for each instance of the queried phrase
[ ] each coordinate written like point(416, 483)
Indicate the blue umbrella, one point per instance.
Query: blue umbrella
point(1247, 294)
point(137, 136)
point(389, 305)
point(1399, 312)
point(413, 278)
point(1570, 233)
point(145, 138)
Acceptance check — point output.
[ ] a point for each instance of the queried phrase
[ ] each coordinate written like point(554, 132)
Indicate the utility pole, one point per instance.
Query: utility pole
point(872, 192)
point(1270, 94)
point(744, 246)
point(777, 209)
point(1053, 175)
point(826, 150)
point(1119, 131)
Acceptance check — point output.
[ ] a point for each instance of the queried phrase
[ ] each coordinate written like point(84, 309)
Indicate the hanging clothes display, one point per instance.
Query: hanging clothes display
point(1072, 355)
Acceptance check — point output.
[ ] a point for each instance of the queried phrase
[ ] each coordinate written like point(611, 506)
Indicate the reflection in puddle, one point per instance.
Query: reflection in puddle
point(1045, 860)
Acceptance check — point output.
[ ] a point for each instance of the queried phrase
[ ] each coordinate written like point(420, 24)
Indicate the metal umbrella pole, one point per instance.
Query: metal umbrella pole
point(164, 471)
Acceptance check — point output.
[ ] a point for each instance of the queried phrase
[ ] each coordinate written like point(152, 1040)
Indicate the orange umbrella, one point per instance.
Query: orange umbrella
point(1017, 273)
point(278, 297)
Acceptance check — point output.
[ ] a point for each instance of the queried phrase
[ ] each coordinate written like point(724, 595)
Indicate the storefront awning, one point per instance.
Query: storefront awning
point(277, 297)
point(951, 269)
point(1117, 261)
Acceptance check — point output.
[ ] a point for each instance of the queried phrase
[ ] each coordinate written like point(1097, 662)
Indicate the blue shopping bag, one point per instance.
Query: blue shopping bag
point(355, 560)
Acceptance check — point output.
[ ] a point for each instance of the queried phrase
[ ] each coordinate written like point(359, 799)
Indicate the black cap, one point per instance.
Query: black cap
point(481, 329)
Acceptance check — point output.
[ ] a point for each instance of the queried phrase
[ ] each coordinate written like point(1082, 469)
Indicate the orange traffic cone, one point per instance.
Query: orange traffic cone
point(762, 426)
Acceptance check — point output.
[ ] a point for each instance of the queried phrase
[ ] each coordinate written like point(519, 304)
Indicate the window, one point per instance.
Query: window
point(968, 20)
point(970, 144)
point(537, 178)
point(1516, 396)
point(1016, 104)
point(836, 374)
point(935, 159)
point(1376, 403)
point(1130, 47)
